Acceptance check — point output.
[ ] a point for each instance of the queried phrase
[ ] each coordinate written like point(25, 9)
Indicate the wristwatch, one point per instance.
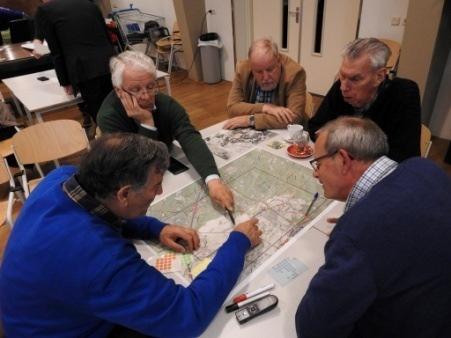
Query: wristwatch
point(252, 121)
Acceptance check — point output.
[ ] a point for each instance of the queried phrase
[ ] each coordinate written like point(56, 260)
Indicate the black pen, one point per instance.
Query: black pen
point(315, 197)
point(231, 216)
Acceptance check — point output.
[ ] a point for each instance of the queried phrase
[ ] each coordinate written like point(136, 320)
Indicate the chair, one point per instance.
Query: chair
point(45, 142)
point(392, 63)
point(425, 141)
point(165, 45)
point(6, 207)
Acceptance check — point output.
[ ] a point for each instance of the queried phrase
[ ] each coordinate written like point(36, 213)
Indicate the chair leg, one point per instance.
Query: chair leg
point(171, 56)
point(38, 168)
point(9, 210)
point(157, 60)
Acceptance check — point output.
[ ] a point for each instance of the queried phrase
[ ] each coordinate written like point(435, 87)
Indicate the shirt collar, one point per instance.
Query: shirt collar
point(80, 196)
point(379, 169)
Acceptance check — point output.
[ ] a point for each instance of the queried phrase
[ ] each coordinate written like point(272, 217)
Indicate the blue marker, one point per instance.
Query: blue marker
point(315, 197)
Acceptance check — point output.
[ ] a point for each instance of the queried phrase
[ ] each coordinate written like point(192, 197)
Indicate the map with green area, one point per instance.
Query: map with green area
point(275, 190)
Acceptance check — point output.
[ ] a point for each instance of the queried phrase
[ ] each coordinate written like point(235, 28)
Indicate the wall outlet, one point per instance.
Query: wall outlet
point(395, 21)
point(212, 11)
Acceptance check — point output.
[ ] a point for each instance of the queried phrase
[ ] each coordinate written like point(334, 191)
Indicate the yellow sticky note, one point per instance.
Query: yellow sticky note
point(199, 267)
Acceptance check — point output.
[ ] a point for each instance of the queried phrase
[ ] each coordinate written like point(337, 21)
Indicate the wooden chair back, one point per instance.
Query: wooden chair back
point(425, 141)
point(395, 48)
point(48, 141)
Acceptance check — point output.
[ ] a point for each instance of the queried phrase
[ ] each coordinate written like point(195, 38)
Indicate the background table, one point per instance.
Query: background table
point(16, 61)
point(39, 96)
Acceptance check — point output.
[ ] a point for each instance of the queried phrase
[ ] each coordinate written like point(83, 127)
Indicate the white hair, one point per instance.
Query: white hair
point(132, 59)
point(377, 51)
point(361, 137)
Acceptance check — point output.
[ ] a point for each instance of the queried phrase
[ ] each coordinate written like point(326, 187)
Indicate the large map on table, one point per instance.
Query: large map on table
point(273, 189)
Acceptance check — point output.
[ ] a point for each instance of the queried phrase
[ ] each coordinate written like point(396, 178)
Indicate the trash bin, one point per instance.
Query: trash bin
point(210, 48)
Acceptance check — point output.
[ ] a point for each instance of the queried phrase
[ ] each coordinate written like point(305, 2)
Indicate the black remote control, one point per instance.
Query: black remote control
point(256, 308)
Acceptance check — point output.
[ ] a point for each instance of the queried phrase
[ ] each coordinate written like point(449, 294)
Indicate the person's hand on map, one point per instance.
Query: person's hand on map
point(134, 110)
point(237, 122)
point(179, 238)
point(282, 114)
point(221, 194)
point(251, 230)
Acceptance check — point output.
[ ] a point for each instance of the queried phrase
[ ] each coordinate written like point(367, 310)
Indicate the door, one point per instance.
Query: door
point(313, 32)
point(280, 20)
point(327, 25)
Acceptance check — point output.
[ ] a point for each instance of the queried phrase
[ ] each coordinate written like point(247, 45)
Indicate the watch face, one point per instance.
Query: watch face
point(252, 120)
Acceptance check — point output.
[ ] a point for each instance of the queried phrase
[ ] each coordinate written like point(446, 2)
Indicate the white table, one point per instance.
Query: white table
point(39, 97)
point(307, 246)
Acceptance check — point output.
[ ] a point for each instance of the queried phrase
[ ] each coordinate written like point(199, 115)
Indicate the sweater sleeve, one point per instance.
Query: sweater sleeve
point(405, 126)
point(143, 228)
point(191, 141)
point(339, 293)
point(133, 294)
point(325, 112)
point(113, 118)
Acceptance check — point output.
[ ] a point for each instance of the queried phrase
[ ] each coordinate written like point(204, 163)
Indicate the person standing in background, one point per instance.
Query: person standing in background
point(80, 48)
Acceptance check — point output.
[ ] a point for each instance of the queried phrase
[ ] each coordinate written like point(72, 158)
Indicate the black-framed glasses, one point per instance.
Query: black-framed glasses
point(315, 162)
point(151, 89)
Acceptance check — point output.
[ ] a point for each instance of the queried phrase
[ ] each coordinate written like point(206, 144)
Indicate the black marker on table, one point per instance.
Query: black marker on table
point(315, 197)
point(231, 216)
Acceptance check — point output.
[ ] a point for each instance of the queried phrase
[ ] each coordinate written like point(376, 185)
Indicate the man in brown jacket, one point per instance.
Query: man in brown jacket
point(268, 90)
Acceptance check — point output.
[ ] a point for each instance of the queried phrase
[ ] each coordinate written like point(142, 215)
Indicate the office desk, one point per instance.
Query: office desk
point(305, 247)
point(16, 61)
point(37, 96)
point(40, 97)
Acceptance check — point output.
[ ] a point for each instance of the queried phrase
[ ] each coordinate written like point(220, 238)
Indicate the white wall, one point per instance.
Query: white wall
point(221, 23)
point(376, 19)
point(441, 117)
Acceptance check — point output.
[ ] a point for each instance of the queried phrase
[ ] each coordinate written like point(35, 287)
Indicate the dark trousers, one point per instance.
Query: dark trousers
point(94, 92)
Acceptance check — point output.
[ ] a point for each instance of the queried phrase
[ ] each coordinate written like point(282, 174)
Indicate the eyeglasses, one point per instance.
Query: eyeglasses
point(150, 89)
point(315, 162)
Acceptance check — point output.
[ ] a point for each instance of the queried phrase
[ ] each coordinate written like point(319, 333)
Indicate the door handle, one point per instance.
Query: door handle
point(296, 13)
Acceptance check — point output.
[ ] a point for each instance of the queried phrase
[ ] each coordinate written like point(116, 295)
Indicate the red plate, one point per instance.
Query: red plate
point(295, 151)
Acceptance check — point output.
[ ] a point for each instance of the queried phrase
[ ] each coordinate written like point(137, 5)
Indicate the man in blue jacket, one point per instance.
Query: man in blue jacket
point(387, 271)
point(69, 269)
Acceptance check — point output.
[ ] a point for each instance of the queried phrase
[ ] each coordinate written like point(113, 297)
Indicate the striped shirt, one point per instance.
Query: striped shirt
point(379, 169)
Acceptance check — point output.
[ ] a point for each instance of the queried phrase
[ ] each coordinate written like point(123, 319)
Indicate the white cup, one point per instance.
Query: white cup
point(294, 129)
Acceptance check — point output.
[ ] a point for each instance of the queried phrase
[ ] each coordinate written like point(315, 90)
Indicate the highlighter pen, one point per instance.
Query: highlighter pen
point(315, 197)
point(248, 295)
point(236, 306)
